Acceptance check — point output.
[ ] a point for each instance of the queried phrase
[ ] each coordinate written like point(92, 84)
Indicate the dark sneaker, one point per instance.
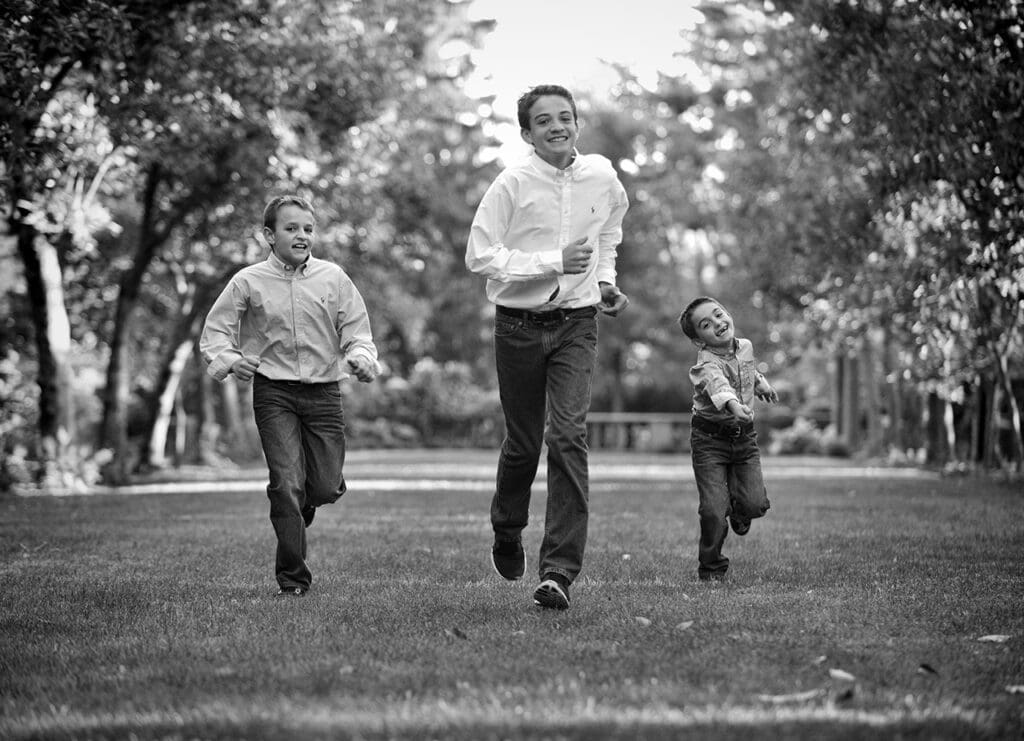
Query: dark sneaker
point(553, 593)
point(292, 591)
point(508, 559)
point(739, 525)
point(308, 513)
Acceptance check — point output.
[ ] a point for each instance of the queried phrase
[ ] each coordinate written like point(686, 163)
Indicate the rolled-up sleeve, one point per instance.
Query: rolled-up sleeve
point(708, 379)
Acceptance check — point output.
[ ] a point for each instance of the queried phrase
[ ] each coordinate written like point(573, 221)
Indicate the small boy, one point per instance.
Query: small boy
point(723, 444)
point(294, 325)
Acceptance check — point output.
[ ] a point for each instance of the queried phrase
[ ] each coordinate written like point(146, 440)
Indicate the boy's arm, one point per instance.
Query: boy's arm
point(218, 343)
point(610, 236)
point(353, 324)
point(486, 253)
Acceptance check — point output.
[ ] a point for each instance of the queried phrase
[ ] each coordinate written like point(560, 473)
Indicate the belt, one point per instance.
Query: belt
point(727, 431)
point(281, 382)
point(545, 317)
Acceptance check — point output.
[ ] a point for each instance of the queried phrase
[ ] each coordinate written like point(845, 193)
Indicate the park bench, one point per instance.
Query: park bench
point(651, 431)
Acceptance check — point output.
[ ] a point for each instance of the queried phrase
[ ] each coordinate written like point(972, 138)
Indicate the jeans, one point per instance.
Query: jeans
point(302, 431)
point(544, 379)
point(729, 482)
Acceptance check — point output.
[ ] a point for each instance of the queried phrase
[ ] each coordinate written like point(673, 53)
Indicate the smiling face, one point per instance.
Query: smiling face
point(291, 239)
point(713, 325)
point(553, 130)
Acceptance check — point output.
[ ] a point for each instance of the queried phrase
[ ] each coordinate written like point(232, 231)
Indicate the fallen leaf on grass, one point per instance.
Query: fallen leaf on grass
point(456, 633)
point(841, 675)
point(820, 660)
point(685, 625)
point(792, 697)
point(1015, 689)
point(926, 669)
point(347, 669)
point(642, 621)
point(995, 638)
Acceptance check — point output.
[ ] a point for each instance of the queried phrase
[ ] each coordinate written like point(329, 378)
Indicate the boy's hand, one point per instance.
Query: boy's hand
point(612, 300)
point(741, 411)
point(245, 368)
point(766, 393)
point(576, 257)
point(363, 368)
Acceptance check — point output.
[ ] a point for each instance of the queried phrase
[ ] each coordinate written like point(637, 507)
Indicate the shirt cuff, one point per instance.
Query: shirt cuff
point(722, 398)
point(220, 367)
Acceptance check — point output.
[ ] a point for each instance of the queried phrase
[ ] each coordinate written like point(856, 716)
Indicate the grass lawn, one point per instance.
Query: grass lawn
point(855, 609)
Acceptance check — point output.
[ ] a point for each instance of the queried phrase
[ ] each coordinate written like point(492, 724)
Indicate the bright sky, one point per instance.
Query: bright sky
point(570, 42)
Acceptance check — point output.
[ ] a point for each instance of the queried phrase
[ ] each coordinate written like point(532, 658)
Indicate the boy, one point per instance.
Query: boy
point(286, 324)
point(723, 444)
point(545, 236)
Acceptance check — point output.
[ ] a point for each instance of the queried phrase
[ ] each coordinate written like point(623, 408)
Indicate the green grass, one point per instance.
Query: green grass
point(152, 616)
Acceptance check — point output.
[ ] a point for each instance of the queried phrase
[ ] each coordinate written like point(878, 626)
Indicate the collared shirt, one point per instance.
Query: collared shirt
point(300, 322)
point(720, 376)
point(529, 214)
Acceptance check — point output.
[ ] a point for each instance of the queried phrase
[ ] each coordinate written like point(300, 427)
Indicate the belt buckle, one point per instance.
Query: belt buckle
point(735, 432)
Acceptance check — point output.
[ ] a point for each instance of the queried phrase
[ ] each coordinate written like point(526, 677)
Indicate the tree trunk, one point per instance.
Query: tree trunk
point(53, 347)
point(874, 442)
point(117, 393)
point(849, 410)
point(156, 450)
point(1006, 381)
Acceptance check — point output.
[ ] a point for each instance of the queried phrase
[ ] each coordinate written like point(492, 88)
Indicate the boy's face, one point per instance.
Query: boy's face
point(292, 236)
point(713, 325)
point(553, 130)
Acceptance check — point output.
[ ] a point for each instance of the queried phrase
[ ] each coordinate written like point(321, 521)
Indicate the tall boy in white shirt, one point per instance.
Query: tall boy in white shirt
point(545, 236)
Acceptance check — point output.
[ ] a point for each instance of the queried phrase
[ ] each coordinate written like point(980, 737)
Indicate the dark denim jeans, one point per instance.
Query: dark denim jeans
point(544, 379)
point(302, 430)
point(729, 481)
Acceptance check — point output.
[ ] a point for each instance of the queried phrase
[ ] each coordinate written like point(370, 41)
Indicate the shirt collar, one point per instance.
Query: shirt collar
point(551, 170)
point(284, 267)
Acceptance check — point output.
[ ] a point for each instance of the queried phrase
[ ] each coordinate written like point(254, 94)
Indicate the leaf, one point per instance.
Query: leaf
point(642, 621)
point(996, 638)
point(456, 633)
point(1015, 689)
point(685, 625)
point(792, 697)
point(820, 660)
point(841, 675)
point(926, 669)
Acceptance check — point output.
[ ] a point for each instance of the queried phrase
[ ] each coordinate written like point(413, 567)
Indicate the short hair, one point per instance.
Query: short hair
point(275, 204)
point(527, 99)
point(686, 318)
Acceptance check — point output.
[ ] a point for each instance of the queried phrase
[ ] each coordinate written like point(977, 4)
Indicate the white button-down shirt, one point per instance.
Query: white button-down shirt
point(529, 214)
point(300, 322)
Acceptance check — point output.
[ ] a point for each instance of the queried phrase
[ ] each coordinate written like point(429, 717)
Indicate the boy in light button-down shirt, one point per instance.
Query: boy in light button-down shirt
point(545, 236)
point(294, 325)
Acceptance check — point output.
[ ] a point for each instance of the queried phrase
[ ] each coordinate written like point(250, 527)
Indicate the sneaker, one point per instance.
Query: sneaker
point(508, 559)
point(738, 525)
point(553, 593)
point(308, 513)
point(292, 591)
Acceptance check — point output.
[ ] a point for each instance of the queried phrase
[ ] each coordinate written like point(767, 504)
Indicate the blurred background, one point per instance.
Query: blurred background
point(846, 177)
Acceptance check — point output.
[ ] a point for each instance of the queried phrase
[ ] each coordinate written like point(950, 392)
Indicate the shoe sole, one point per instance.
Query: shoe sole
point(551, 596)
point(497, 571)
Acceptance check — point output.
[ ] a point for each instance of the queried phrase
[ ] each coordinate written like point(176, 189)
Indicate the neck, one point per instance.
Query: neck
point(560, 162)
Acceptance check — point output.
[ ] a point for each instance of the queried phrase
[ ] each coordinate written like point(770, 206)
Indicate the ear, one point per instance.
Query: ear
point(527, 136)
point(268, 234)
